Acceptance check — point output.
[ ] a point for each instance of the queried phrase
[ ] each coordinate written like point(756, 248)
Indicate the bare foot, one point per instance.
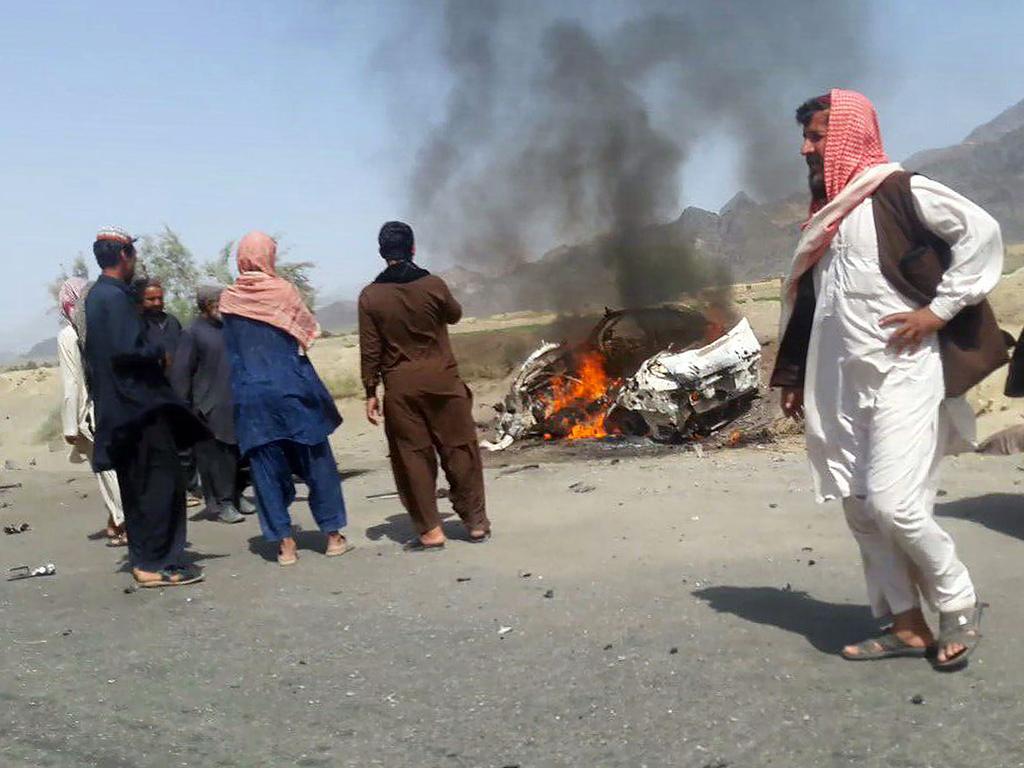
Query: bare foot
point(337, 544)
point(287, 552)
point(949, 651)
point(433, 537)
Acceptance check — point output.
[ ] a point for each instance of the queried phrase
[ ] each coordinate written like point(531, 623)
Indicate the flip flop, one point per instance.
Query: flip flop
point(339, 551)
point(963, 627)
point(418, 546)
point(286, 561)
point(172, 577)
point(887, 646)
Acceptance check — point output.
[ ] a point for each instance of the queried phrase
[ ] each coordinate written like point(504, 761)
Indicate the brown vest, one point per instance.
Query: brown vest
point(913, 260)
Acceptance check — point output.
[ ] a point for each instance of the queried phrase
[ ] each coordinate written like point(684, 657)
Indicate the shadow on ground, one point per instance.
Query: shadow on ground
point(398, 528)
point(826, 626)
point(1002, 512)
point(312, 540)
point(190, 558)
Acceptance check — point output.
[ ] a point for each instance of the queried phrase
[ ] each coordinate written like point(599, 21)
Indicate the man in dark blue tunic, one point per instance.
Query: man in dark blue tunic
point(162, 328)
point(201, 375)
point(140, 423)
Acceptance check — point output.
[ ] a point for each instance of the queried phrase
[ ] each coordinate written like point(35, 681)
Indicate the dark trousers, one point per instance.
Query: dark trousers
point(218, 469)
point(421, 429)
point(272, 467)
point(153, 496)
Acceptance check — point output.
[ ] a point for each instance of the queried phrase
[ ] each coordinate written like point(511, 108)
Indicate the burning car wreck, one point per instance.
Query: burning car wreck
point(667, 373)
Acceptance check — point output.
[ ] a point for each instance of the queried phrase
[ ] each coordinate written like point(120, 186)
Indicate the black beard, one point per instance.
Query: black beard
point(816, 182)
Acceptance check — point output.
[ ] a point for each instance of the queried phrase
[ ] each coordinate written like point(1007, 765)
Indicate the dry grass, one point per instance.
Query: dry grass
point(343, 385)
point(51, 430)
point(494, 354)
point(1014, 258)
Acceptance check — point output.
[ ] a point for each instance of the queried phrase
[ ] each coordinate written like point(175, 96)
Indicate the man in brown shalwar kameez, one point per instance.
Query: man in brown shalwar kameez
point(403, 339)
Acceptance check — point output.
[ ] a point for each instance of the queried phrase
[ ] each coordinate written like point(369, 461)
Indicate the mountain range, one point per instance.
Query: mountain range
point(751, 240)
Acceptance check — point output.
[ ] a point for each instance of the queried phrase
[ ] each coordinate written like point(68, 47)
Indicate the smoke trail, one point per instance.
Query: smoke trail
point(557, 131)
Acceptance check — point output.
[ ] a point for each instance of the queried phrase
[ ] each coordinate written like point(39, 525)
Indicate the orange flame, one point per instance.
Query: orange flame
point(583, 392)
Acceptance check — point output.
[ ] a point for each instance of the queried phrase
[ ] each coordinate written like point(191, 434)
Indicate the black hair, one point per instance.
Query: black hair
point(138, 288)
point(108, 252)
point(806, 110)
point(396, 241)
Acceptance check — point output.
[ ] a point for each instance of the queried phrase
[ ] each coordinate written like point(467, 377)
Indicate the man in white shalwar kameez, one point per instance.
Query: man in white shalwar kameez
point(77, 417)
point(877, 417)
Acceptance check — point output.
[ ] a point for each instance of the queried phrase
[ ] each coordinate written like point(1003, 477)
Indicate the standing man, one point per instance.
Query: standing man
point(201, 375)
point(428, 411)
point(162, 328)
point(885, 325)
point(285, 414)
point(77, 414)
point(140, 423)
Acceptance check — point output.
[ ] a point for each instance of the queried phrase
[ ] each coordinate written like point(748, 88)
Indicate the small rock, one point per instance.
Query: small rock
point(773, 506)
point(811, 562)
point(918, 699)
point(806, 549)
point(129, 590)
point(504, 630)
point(942, 493)
point(66, 632)
point(549, 594)
point(31, 462)
point(673, 651)
point(525, 575)
point(788, 587)
point(463, 579)
point(582, 488)
point(608, 647)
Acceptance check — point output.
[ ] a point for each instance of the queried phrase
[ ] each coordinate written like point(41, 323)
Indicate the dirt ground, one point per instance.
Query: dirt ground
point(637, 606)
point(633, 609)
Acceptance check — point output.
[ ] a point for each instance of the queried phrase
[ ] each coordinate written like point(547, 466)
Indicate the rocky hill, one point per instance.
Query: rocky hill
point(754, 241)
point(988, 167)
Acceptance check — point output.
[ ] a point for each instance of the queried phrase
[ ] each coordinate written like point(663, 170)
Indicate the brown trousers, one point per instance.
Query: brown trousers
point(422, 427)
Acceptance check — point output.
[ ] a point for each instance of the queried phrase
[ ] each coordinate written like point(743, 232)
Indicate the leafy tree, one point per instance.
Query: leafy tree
point(165, 258)
point(79, 268)
point(219, 269)
point(297, 272)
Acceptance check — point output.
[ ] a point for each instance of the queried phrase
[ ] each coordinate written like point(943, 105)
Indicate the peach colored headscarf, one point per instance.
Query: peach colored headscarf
point(260, 294)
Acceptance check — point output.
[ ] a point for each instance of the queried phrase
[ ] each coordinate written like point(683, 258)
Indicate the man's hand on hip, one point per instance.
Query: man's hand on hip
point(912, 328)
point(373, 414)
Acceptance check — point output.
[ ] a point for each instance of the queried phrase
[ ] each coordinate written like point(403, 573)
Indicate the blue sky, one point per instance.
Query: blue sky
point(220, 117)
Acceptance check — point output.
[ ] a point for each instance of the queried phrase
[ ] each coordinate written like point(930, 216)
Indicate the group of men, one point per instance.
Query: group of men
point(885, 326)
point(237, 391)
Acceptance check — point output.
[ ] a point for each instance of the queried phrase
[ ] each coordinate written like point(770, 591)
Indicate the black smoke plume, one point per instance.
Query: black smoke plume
point(575, 130)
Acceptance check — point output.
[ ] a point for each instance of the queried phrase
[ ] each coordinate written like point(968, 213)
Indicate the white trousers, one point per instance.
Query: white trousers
point(906, 554)
point(110, 491)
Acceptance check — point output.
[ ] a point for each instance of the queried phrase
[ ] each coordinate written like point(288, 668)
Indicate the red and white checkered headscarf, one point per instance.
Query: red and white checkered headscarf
point(71, 290)
point(855, 165)
point(853, 142)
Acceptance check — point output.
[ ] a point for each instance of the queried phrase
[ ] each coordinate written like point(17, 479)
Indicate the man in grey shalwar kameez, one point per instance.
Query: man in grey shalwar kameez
point(201, 375)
